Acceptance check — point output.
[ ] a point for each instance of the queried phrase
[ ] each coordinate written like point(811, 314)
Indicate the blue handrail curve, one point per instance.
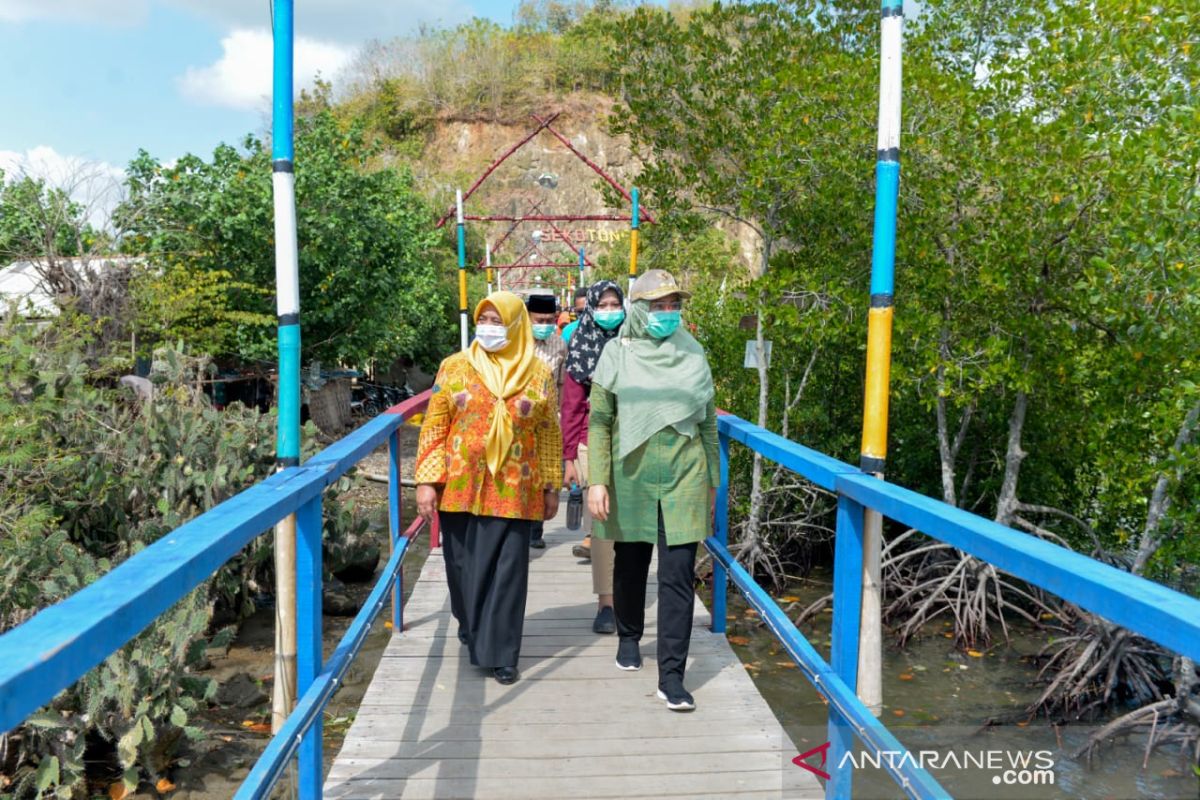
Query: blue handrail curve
point(1163, 615)
point(57, 646)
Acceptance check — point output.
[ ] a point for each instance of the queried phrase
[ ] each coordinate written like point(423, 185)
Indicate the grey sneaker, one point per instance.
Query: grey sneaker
point(678, 698)
point(629, 655)
point(605, 622)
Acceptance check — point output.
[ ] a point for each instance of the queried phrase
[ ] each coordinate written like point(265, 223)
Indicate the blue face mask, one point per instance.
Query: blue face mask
point(662, 323)
point(543, 331)
point(609, 319)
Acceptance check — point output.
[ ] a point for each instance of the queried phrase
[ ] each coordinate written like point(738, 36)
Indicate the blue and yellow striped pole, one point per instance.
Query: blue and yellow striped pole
point(462, 270)
point(879, 342)
point(634, 220)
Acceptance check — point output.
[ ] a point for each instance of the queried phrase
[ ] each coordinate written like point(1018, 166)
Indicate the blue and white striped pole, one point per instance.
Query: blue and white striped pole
point(879, 342)
point(287, 303)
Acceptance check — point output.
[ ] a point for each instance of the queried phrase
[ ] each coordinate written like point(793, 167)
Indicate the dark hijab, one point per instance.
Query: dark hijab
point(583, 351)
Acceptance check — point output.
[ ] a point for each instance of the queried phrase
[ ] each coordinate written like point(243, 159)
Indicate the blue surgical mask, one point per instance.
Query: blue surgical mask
point(609, 319)
point(544, 331)
point(662, 323)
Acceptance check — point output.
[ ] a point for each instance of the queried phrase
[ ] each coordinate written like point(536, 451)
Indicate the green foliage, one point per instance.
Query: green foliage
point(197, 306)
point(1046, 243)
point(480, 70)
point(90, 475)
point(37, 220)
point(366, 272)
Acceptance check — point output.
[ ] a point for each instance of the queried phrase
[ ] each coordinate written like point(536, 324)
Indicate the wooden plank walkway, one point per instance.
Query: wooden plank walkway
point(574, 726)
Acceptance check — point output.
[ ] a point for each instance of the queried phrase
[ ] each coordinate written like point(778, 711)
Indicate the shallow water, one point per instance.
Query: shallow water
point(937, 699)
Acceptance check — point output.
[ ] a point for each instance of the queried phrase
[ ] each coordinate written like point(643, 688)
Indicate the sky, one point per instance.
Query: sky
point(92, 81)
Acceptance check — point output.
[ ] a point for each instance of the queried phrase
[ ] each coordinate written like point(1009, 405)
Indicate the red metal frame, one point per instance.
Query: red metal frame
point(545, 124)
point(534, 205)
point(547, 218)
point(643, 213)
point(492, 168)
point(534, 213)
point(538, 265)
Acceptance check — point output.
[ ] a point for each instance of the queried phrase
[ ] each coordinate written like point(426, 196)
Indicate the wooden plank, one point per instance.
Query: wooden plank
point(534, 667)
point(591, 765)
point(432, 725)
point(568, 748)
point(683, 784)
point(441, 727)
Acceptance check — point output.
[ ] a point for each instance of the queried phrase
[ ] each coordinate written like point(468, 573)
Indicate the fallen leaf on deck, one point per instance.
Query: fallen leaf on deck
point(948, 635)
point(974, 654)
point(786, 664)
point(164, 786)
point(750, 612)
point(898, 712)
point(117, 791)
point(906, 676)
point(739, 640)
point(791, 598)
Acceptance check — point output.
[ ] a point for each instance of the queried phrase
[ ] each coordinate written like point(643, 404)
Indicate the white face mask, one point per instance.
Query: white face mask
point(491, 337)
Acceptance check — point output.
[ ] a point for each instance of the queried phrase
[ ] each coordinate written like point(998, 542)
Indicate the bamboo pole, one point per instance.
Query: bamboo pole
point(879, 345)
point(287, 294)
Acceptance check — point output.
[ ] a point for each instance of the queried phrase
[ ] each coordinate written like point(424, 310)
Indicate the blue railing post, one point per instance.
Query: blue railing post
point(394, 517)
point(721, 533)
point(308, 649)
point(843, 656)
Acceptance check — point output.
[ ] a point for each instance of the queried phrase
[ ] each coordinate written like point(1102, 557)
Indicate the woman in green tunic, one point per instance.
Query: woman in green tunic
point(655, 468)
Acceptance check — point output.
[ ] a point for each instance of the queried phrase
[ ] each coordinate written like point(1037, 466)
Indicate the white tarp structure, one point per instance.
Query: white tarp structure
point(20, 283)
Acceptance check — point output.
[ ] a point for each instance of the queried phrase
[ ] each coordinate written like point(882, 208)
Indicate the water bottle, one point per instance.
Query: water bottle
point(575, 508)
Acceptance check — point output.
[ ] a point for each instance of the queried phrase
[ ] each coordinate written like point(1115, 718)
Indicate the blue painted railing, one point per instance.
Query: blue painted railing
point(1151, 609)
point(61, 643)
point(56, 647)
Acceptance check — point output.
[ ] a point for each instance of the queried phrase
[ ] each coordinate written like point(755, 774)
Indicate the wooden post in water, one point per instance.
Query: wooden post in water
point(879, 345)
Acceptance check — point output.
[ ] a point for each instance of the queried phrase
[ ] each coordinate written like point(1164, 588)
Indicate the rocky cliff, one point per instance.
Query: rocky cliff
point(541, 177)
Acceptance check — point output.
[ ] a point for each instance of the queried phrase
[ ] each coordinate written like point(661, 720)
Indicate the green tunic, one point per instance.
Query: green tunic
point(671, 470)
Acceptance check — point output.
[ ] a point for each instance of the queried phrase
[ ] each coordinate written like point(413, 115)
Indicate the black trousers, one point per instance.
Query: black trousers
point(487, 572)
point(676, 598)
point(536, 530)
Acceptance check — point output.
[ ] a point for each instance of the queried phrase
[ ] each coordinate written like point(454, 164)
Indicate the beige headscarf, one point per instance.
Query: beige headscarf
point(658, 382)
point(505, 373)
